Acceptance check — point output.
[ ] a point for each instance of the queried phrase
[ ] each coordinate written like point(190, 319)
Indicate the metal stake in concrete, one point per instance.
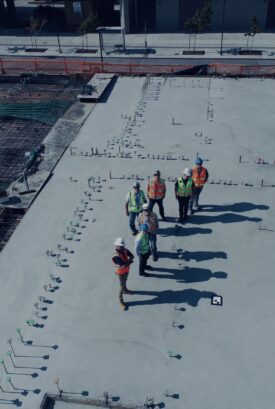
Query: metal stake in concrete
point(3, 363)
point(18, 330)
point(9, 341)
point(8, 379)
point(9, 353)
point(56, 382)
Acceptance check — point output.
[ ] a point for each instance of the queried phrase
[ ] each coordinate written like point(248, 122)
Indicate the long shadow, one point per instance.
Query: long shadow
point(187, 275)
point(235, 207)
point(15, 402)
point(189, 296)
point(182, 231)
point(192, 255)
point(223, 218)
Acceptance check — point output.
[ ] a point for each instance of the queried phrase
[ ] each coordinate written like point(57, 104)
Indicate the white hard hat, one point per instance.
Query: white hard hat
point(119, 242)
point(187, 172)
point(145, 206)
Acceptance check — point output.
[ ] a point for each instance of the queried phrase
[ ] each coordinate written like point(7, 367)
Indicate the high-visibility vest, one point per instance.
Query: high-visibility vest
point(144, 245)
point(156, 189)
point(132, 205)
point(120, 270)
point(199, 178)
point(185, 190)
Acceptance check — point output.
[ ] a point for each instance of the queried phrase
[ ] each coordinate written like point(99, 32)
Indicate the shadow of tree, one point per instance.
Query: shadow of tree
point(189, 296)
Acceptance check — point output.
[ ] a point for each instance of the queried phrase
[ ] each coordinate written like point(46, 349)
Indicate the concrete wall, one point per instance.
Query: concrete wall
point(238, 14)
point(167, 15)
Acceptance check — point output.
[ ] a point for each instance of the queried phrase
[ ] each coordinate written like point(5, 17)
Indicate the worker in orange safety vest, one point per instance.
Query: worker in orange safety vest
point(156, 191)
point(122, 260)
point(200, 176)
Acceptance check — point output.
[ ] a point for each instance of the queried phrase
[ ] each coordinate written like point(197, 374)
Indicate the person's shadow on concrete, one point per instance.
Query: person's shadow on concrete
point(223, 218)
point(235, 207)
point(189, 296)
point(178, 230)
point(187, 274)
point(192, 255)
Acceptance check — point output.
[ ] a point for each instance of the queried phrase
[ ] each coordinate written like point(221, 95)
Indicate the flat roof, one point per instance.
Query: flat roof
point(171, 344)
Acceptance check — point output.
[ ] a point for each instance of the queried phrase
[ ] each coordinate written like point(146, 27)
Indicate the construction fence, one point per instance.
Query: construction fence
point(15, 66)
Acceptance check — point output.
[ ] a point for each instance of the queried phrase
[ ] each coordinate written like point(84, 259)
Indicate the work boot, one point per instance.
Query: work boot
point(145, 274)
point(122, 305)
point(134, 233)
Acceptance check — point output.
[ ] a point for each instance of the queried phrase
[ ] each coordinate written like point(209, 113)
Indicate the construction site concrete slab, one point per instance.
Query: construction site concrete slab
point(59, 307)
point(96, 87)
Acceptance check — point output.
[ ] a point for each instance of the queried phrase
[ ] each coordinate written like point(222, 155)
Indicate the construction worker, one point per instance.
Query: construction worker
point(151, 219)
point(199, 176)
point(142, 247)
point(156, 191)
point(183, 191)
point(134, 200)
point(122, 260)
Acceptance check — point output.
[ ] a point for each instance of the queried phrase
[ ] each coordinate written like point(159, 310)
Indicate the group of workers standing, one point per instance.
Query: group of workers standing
point(144, 223)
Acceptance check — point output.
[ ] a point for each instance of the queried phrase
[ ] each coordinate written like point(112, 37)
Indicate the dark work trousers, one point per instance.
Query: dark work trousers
point(132, 218)
point(194, 201)
point(160, 205)
point(122, 285)
point(143, 262)
point(153, 244)
point(183, 206)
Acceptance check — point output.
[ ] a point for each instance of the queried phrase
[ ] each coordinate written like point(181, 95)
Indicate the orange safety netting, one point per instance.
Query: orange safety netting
point(10, 65)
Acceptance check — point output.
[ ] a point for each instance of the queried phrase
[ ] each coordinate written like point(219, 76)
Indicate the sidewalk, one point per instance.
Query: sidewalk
point(170, 45)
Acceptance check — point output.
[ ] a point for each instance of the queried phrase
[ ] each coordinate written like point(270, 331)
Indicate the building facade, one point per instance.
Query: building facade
point(171, 15)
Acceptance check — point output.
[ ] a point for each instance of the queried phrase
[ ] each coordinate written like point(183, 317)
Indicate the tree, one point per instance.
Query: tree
point(35, 27)
point(253, 30)
point(88, 25)
point(199, 22)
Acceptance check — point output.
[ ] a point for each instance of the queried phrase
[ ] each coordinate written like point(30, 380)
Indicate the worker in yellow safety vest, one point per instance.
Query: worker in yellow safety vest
point(156, 191)
point(133, 206)
point(122, 260)
point(142, 247)
point(200, 176)
point(153, 224)
point(183, 191)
